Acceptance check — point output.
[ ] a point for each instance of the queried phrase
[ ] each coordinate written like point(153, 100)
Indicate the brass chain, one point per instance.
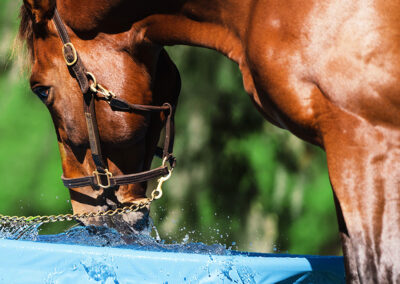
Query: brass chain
point(71, 217)
point(136, 206)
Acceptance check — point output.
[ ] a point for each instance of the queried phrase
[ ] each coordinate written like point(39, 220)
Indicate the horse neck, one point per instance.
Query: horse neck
point(215, 24)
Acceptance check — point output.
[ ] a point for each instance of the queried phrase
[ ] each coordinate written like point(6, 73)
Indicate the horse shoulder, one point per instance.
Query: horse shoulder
point(325, 55)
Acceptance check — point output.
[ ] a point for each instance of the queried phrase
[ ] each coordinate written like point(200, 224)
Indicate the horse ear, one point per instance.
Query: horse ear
point(41, 10)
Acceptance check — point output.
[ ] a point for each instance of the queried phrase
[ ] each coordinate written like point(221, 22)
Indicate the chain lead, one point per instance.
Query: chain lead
point(155, 194)
point(70, 217)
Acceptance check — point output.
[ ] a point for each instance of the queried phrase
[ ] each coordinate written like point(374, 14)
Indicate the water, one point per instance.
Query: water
point(101, 269)
point(108, 237)
point(18, 231)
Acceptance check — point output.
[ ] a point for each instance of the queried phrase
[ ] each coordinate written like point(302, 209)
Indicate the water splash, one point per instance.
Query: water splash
point(100, 271)
point(108, 237)
point(20, 231)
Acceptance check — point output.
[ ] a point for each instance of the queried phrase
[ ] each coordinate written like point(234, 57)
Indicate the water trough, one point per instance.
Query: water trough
point(40, 262)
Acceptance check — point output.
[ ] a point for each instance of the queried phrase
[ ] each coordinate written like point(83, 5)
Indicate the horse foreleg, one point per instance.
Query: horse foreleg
point(348, 252)
point(364, 169)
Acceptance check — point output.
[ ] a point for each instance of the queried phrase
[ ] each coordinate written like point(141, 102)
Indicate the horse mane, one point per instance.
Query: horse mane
point(24, 37)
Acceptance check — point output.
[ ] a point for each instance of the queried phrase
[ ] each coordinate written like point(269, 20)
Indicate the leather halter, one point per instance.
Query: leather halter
point(102, 177)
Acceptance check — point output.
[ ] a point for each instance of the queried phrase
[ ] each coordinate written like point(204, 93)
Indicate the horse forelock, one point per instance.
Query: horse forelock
point(25, 33)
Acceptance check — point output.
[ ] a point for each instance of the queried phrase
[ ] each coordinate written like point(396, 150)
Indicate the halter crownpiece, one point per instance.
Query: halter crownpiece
point(102, 177)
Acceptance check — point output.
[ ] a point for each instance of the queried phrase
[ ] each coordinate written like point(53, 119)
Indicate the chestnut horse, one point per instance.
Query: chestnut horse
point(326, 70)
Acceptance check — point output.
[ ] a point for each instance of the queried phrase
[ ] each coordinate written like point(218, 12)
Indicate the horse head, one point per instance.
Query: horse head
point(121, 61)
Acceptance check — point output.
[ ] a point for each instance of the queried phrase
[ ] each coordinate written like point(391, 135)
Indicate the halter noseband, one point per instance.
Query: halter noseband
point(102, 177)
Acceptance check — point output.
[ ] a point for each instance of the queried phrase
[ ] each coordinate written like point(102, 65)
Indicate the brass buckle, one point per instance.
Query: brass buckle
point(97, 88)
point(94, 84)
point(108, 95)
point(73, 51)
point(107, 174)
point(157, 193)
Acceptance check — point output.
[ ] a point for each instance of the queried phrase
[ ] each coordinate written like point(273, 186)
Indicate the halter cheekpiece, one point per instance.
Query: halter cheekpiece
point(102, 177)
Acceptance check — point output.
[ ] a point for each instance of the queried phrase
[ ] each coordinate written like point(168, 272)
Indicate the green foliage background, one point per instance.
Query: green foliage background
point(240, 181)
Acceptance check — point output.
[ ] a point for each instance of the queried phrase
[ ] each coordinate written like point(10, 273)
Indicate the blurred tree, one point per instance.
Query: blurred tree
point(30, 167)
point(239, 181)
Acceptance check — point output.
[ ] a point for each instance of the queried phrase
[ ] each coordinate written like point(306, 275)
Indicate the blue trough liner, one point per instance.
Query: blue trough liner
point(35, 262)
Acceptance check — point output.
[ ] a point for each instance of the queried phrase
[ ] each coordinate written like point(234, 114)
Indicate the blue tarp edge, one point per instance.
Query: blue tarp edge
point(35, 262)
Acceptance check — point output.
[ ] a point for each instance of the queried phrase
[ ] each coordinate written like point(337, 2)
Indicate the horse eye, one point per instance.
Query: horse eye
point(42, 92)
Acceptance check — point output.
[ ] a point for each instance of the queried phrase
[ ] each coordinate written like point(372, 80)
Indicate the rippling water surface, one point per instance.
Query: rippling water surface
point(106, 237)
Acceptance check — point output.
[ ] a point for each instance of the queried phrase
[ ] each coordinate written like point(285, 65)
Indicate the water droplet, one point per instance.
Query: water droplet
point(185, 240)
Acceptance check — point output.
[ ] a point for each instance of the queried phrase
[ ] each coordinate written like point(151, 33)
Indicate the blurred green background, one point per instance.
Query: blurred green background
point(240, 181)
